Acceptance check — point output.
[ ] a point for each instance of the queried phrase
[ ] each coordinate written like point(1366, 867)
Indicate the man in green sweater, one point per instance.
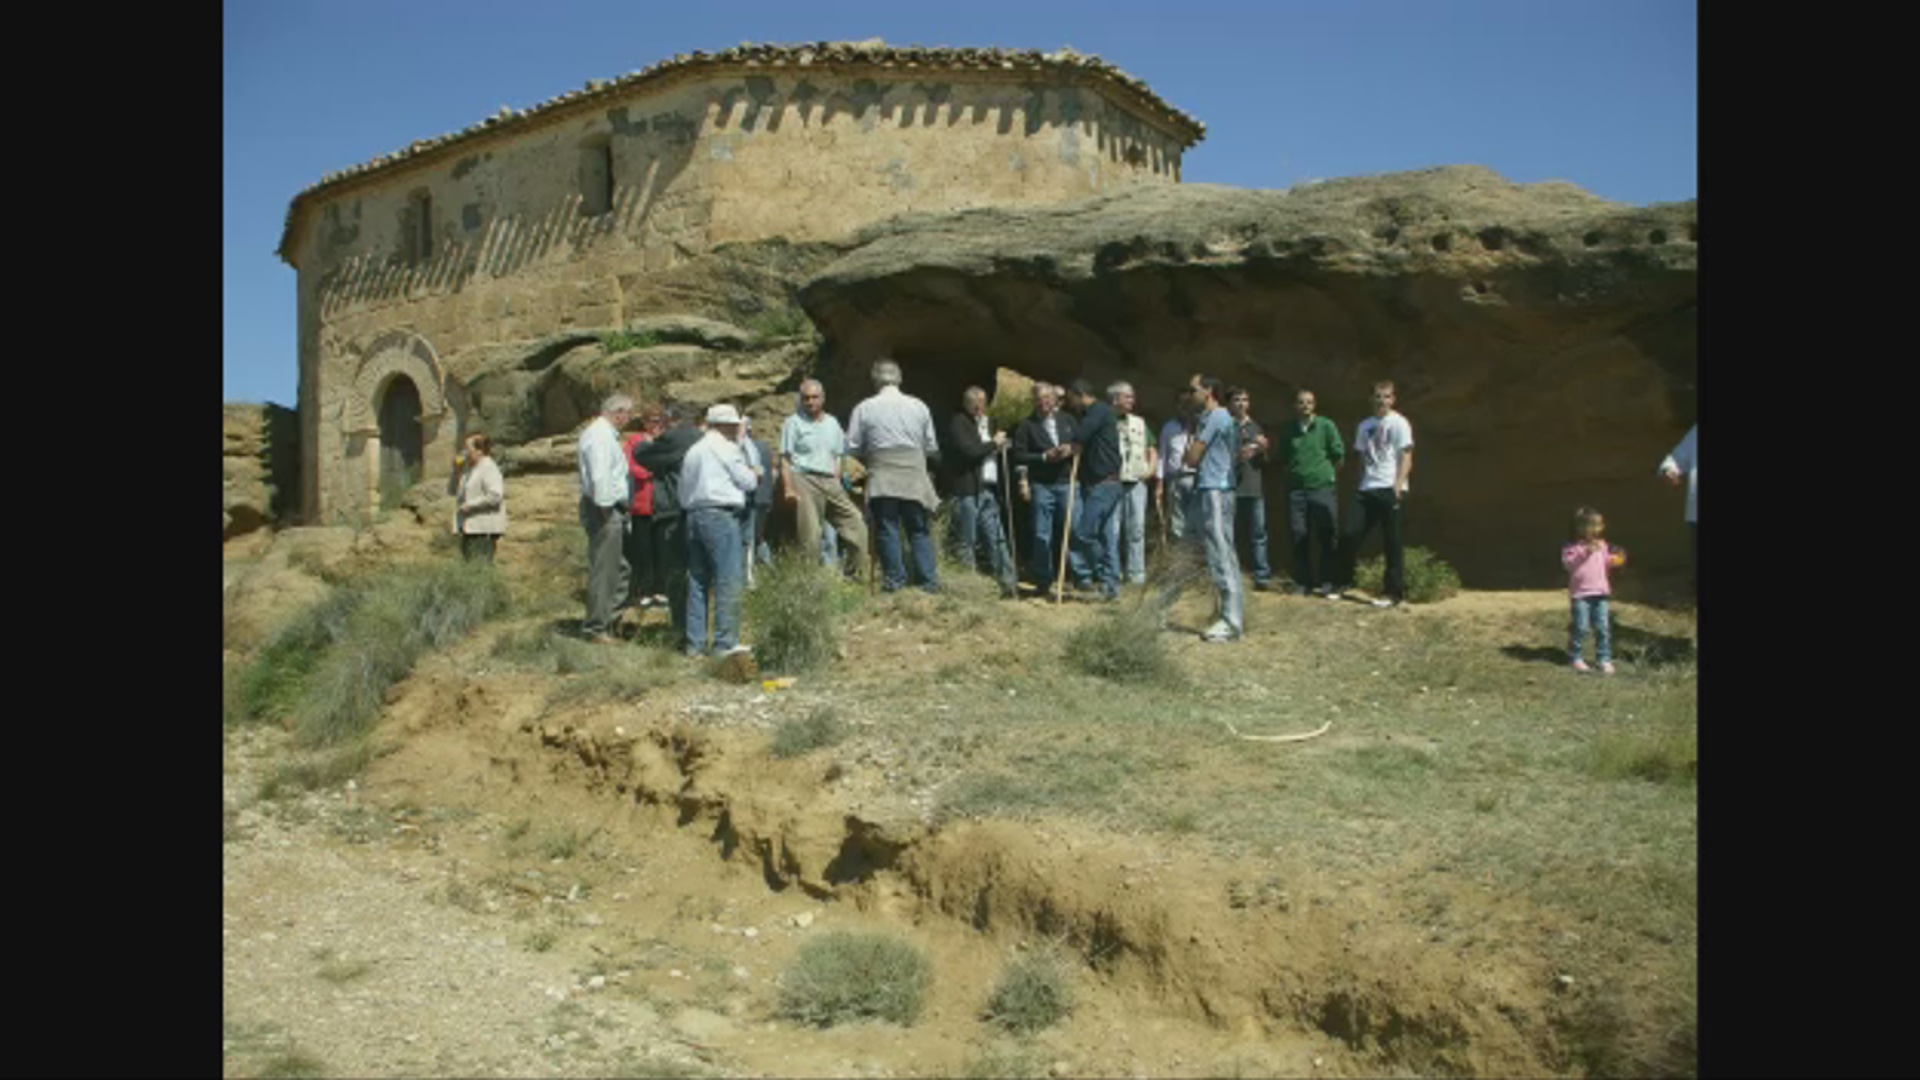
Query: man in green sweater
point(1311, 449)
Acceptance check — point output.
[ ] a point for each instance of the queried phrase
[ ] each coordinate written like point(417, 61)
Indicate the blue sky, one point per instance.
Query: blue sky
point(1598, 92)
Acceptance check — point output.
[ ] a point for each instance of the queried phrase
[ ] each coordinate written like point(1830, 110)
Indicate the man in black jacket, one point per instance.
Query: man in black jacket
point(662, 457)
point(1042, 456)
point(973, 507)
point(1098, 437)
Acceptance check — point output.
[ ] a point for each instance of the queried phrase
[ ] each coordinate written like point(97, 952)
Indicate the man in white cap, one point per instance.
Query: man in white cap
point(715, 482)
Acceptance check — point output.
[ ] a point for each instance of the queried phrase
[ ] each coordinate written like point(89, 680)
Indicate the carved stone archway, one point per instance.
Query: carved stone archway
point(392, 354)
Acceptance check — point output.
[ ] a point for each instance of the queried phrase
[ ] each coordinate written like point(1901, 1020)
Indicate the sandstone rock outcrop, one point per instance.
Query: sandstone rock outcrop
point(1542, 338)
point(261, 466)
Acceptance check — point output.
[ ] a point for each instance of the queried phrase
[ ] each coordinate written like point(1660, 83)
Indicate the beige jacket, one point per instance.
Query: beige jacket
point(481, 501)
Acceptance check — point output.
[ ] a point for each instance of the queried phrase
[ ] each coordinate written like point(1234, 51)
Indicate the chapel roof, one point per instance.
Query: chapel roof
point(825, 55)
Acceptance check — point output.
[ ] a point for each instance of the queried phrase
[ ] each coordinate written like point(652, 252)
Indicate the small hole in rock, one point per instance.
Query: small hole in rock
point(1592, 239)
point(1657, 236)
point(1442, 242)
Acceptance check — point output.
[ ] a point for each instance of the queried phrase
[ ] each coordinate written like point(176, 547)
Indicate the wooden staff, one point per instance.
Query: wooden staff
point(1013, 553)
point(1066, 532)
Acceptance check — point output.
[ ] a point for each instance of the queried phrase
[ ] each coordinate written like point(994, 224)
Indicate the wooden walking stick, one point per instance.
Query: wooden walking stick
point(1066, 531)
point(1013, 553)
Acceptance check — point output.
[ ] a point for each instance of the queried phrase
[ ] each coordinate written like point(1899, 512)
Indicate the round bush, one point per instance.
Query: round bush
point(1428, 577)
point(843, 976)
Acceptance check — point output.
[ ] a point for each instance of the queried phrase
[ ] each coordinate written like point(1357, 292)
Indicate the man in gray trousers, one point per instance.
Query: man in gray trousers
point(604, 494)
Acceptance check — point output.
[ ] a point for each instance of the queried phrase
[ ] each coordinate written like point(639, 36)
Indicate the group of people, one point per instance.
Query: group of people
point(675, 512)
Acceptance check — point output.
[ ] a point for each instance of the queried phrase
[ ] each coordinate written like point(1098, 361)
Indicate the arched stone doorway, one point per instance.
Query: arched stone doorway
point(401, 440)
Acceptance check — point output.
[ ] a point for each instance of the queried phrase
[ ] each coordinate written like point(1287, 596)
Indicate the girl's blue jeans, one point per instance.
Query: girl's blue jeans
point(1590, 611)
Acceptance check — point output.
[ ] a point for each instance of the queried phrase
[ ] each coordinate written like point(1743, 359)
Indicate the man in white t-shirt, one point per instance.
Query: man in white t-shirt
point(1383, 444)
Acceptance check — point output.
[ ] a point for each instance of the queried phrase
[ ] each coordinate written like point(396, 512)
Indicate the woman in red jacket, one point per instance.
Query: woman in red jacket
point(644, 584)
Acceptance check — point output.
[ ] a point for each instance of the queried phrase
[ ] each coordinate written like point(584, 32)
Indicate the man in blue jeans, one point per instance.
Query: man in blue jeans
point(1043, 449)
point(972, 454)
point(892, 435)
point(1097, 441)
point(1211, 453)
point(715, 482)
point(1249, 485)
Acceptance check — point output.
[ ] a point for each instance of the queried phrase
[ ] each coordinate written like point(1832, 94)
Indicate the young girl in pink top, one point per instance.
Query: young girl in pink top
point(1587, 558)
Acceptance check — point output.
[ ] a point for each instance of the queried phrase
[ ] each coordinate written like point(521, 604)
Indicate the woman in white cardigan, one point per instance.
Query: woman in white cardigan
point(480, 500)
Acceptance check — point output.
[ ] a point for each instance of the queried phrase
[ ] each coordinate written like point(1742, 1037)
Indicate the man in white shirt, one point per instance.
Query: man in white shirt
point(604, 493)
point(891, 433)
point(1174, 484)
point(1127, 530)
point(715, 481)
point(1383, 444)
point(1685, 459)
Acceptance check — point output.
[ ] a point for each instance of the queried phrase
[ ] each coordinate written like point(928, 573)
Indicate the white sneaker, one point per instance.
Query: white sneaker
point(1385, 602)
point(737, 649)
point(1333, 594)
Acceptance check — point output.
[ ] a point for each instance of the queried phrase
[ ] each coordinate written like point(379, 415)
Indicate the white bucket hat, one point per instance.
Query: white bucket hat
point(723, 414)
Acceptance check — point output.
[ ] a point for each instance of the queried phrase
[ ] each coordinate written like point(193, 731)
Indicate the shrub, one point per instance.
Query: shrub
point(844, 976)
point(1123, 645)
point(392, 618)
point(1428, 577)
point(1032, 994)
point(317, 771)
point(819, 728)
point(794, 611)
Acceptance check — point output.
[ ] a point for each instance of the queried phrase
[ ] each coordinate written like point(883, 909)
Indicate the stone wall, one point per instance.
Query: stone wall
point(517, 250)
point(261, 466)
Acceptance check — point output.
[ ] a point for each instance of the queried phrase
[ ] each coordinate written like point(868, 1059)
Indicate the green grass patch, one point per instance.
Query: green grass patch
point(841, 977)
point(291, 1065)
point(1661, 754)
point(1427, 576)
point(781, 323)
point(392, 618)
point(619, 341)
point(1032, 994)
point(817, 730)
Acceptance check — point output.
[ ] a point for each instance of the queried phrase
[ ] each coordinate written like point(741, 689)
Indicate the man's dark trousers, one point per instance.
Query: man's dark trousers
point(1309, 512)
point(1370, 506)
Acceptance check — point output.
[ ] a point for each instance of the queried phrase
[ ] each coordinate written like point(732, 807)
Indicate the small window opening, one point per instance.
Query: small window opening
point(420, 233)
point(596, 178)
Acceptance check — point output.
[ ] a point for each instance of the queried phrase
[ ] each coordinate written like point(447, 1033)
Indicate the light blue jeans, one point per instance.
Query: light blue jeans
point(1590, 611)
point(1049, 503)
point(974, 525)
point(1127, 531)
point(716, 560)
point(1223, 565)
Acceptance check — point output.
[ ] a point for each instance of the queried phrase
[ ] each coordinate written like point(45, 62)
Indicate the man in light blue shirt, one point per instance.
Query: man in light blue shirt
point(715, 481)
point(811, 444)
point(1214, 448)
point(604, 494)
